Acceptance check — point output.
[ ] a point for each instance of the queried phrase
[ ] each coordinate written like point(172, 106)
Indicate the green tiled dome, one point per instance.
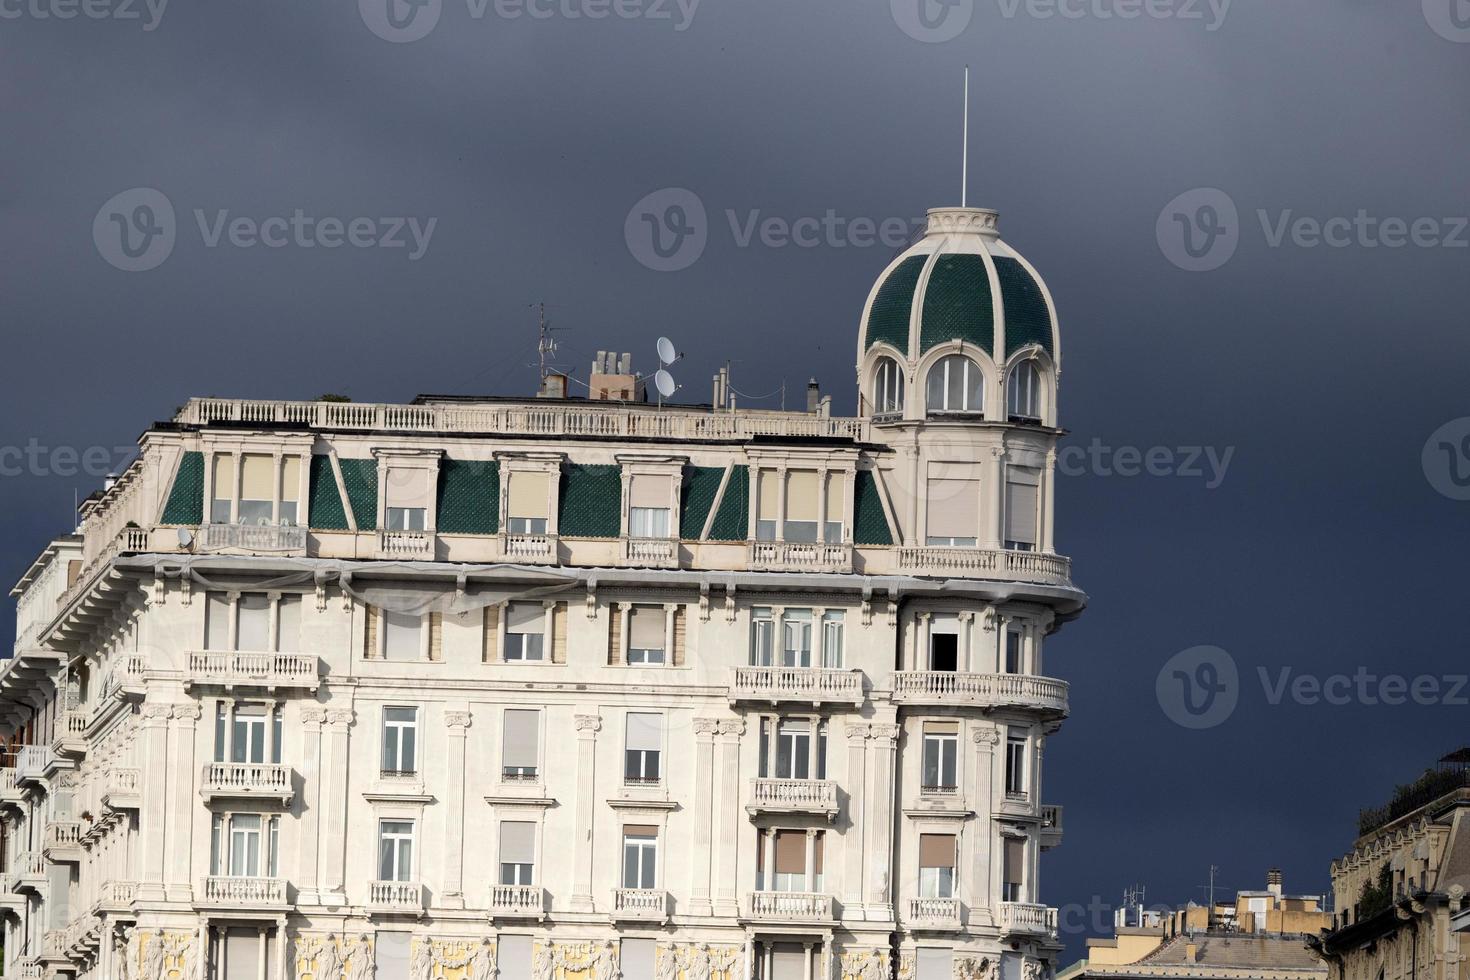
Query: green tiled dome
point(1028, 318)
point(888, 320)
point(957, 304)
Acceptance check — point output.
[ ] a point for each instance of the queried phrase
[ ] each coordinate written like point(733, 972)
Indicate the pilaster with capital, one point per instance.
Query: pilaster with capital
point(857, 814)
point(884, 745)
point(728, 809)
point(154, 811)
point(312, 717)
point(985, 871)
point(587, 728)
point(183, 721)
point(334, 792)
point(457, 724)
point(705, 730)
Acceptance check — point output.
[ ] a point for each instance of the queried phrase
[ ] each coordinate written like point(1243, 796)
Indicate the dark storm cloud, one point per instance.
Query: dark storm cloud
point(529, 139)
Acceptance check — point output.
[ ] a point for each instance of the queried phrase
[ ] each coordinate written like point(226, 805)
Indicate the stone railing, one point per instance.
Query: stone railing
point(812, 684)
point(396, 895)
point(651, 552)
point(31, 763)
point(63, 833)
point(796, 556)
point(793, 795)
point(641, 903)
point(230, 669)
point(116, 894)
point(528, 549)
point(610, 422)
point(518, 901)
point(940, 913)
point(1026, 919)
point(32, 971)
point(246, 779)
point(790, 906)
point(406, 545)
point(943, 687)
point(120, 787)
point(239, 890)
point(29, 864)
point(126, 671)
point(1020, 566)
point(269, 538)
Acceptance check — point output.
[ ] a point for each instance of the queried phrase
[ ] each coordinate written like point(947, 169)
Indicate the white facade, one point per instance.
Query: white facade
point(563, 689)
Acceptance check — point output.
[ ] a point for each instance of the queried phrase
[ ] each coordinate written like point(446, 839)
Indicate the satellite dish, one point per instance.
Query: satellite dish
point(664, 382)
point(186, 537)
point(666, 353)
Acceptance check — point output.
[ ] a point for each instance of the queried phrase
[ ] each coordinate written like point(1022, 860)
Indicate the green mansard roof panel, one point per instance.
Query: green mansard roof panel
point(361, 479)
point(732, 519)
point(327, 510)
point(957, 304)
point(469, 496)
point(1028, 319)
point(699, 496)
point(591, 502)
point(869, 522)
point(186, 498)
point(888, 320)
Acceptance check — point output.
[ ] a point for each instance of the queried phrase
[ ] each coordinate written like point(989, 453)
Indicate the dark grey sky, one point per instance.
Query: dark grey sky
point(1325, 548)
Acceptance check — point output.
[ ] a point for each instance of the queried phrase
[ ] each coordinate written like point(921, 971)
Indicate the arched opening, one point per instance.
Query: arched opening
point(955, 384)
point(1023, 392)
point(888, 388)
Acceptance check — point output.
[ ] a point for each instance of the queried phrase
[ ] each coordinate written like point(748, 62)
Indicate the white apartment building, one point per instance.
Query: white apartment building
point(563, 689)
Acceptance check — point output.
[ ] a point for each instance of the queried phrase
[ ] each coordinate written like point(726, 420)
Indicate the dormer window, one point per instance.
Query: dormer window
point(1023, 392)
point(955, 384)
point(254, 489)
point(649, 512)
point(888, 388)
point(528, 503)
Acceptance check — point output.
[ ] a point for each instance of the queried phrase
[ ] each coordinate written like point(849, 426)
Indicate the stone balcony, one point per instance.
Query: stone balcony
point(115, 896)
point(272, 671)
point(1019, 566)
point(517, 902)
point(71, 728)
point(943, 688)
point(813, 796)
point(529, 549)
point(33, 763)
point(28, 872)
point(406, 545)
point(63, 841)
point(124, 676)
point(798, 556)
point(650, 552)
point(1026, 919)
point(1051, 826)
point(396, 896)
point(807, 685)
point(788, 907)
point(255, 539)
point(640, 905)
point(11, 795)
point(121, 788)
point(241, 892)
point(941, 914)
point(246, 781)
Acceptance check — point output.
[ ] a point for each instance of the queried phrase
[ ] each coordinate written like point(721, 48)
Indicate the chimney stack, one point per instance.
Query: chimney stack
point(1191, 953)
point(813, 396)
point(1273, 881)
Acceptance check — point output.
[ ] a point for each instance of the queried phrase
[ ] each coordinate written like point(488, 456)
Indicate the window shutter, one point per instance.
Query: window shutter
point(768, 504)
point(941, 728)
point(936, 851)
point(836, 483)
point(288, 624)
point(526, 617)
point(790, 852)
point(257, 473)
point(801, 495)
point(614, 635)
point(488, 653)
point(290, 478)
point(436, 637)
point(521, 731)
point(1015, 859)
point(640, 830)
point(528, 496)
point(649, 491)
point(679, 637)
point(817, 862)
point(645, 732)
point(255, 623)
point(1021, 506)
point(559, 633)
point(954, 508)
point(217, 621)
point(517, 842)
point(406, 488)
point(370, 633)
point(646, 628)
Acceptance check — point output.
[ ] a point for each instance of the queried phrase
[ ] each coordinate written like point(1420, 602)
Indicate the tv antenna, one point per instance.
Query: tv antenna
point(663, 381)
point(545, 343)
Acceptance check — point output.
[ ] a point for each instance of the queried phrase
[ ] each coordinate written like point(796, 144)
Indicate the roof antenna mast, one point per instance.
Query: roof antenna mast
point(545, 345)
point(965, 153)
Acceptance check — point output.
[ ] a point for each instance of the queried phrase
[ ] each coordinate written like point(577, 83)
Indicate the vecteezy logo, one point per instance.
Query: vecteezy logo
point(400, 21)
point(932, 21)
point(667, 230)
point(1450, 19)
point(134, 231)
point(1446, 459)
point(1199, 230)
point(1198, 687)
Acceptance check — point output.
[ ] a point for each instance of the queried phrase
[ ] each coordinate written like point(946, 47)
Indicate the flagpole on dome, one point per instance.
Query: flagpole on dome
point(965, 153)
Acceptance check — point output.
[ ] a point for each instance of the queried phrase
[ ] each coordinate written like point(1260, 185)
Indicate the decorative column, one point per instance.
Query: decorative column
point(705, 730)
point(185, 718)
point(923, 623)
point(1048, 518)
point(993, 520)
point(587, 728)
point(885, 742)
point(459, 723)
point(334, 795)
point(155, 799)
point(984, 877)
point(730, 814)
point(967, 642)
point(857, 816)
point(809, 872)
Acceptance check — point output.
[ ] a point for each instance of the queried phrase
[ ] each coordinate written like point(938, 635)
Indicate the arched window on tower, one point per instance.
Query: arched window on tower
point(1023, 392)
point(955, 384)
point(888, 388)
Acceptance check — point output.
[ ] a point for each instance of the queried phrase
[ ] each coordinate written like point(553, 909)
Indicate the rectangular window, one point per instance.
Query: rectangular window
point(936, 865)
point(953, 514)
point(647, 635)
point(257, 489)
point(273, 848)
point(944, 643)
point(403, 636)
point(832, 531)
point(649, 498)
point(244, 845)
point(941, 756)
point(395, 850)
point(517, 852)
point(1013, 652)
point(796, 638)
point(288, 624)
point(407, 518)
point(521, 751)
point(801, 505)
point(832, 627)
point(762, 638)
point(643, 745)
point(221, 507)
point(255, 623)
point(1014, 864)
point(1021, 513)
point(767, 505)
point(791, 853)
point(406, 498)
point(290, 489)
point(648, 522)
point(1016, 763)
point(527, 503)
point(217, 621)
point(640, 856)
point(400, 735)
point(248, 733)
point(525, 631)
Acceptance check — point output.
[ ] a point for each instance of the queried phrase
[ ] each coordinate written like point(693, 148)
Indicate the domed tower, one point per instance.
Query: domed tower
point(958, 362)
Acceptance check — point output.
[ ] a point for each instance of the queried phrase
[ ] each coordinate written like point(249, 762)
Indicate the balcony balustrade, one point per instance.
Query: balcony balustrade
point(227, 669)
point(32, 764)
point(71, 728)
point(944, 687)
point(115, 896)
point(817, 796)
point(933, 913)
point(651, 552)
point(1026, 919)
point(641, 904)
point(63, 841)
point(28, 872)
point(272, 539)
point(789, 906)
point(120, 788)
point(529, 549)
point(395, 896)
point(517, 902)
point(1017, 566)
point(406, 545)
point(123, 676)
point(1051, 825)
point(246, 780)
point(798, 556)
point(239, 891)
point(811, 685)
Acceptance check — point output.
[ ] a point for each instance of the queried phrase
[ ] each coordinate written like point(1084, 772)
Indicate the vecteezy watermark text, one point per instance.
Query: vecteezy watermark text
point(1208, 463)
point(937, 21)
point(136, 230)
point(148, 13)
point(404, 21)
point(35, 459)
